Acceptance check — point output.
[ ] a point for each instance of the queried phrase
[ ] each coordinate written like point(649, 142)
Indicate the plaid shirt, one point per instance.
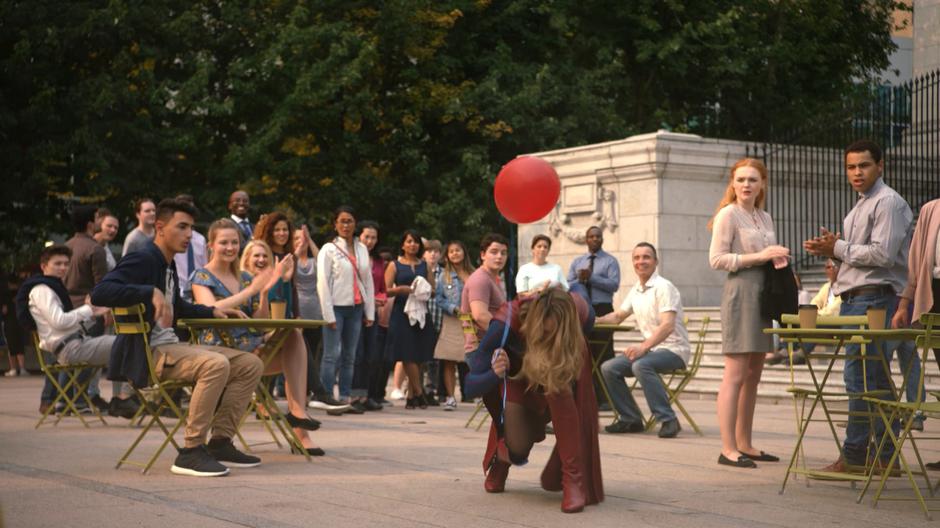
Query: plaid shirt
point(437, 315)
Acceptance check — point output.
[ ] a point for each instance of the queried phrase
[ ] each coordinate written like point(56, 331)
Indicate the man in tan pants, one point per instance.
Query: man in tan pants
point(224, 378)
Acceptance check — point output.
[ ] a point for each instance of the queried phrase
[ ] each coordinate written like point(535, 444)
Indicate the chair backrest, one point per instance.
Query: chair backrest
point(129, 320)
point(699, 351)
point(39, 352)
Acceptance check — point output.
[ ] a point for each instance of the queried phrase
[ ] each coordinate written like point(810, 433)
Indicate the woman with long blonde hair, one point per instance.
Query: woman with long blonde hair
point(743, 241)
point(544, 367)
point(450, 343)
point(225, 284)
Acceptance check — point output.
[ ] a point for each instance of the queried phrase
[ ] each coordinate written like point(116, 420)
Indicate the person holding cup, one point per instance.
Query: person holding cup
point(743, 240)
point(874, 270)
point(223, 284)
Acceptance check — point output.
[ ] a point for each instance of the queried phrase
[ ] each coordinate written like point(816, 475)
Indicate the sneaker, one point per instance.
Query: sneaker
point(450, 404)
point(12, 372)
point(624, 427)
point(99, 402)
point(197, 462)
point(126, 408)
point(918, 423)
point(372, 405)
point(356, 407)
point(327, 403)
point(397, 394)
point(223, 450)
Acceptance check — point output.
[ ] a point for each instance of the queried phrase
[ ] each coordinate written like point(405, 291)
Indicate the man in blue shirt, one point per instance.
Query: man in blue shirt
point(598, 271)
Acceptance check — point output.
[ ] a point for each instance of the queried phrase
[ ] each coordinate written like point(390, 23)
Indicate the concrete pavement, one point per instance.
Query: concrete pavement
point(416, 468)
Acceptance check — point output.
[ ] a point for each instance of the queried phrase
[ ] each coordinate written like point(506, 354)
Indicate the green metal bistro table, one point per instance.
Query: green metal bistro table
point(823, 398)
point(602, 337)
point(263, 402)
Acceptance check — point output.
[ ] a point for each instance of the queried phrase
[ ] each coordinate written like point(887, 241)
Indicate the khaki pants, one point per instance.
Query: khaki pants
point(225, 378)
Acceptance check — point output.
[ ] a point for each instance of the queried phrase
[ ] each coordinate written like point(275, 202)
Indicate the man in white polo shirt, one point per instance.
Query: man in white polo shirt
point(665, 347)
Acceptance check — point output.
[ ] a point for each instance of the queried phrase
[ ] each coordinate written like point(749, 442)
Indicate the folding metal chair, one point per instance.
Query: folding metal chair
point(73, 384)
point(676, 381)
point(466, 323)
point(130, 321)
point(892, 410)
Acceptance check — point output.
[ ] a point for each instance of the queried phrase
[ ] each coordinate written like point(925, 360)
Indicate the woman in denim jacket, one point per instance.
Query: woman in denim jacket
point(450, 344)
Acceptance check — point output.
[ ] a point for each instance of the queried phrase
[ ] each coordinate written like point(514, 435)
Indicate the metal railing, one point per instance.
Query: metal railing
point(808, 184)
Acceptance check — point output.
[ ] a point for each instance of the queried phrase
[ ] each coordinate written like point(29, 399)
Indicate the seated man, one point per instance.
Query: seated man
point(43, 304)
point(665, 347)
point(224, 378)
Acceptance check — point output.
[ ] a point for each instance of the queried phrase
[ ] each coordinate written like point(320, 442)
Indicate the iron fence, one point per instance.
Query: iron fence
point(809, 188)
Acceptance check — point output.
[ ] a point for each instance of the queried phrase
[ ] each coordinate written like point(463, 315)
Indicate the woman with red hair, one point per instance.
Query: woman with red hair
point(743, 240)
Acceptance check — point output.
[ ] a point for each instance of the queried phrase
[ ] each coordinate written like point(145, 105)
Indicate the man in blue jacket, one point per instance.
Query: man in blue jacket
point(224, 378)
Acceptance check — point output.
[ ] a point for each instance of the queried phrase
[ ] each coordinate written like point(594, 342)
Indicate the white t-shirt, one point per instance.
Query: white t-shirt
point(531, 276)
point(647, 302)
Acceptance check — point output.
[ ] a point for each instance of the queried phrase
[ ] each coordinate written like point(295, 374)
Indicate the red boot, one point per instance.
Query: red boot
point(551, 475)
point(568, 444)
point(496, 477)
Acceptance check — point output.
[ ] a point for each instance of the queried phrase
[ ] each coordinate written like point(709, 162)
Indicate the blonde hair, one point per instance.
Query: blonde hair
point(214, 228)
point(730, 197)
point(553, 356)
point(246, 256)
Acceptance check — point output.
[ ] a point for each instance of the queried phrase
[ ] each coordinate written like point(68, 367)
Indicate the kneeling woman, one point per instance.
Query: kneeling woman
point(221, 283)
point(545, 367)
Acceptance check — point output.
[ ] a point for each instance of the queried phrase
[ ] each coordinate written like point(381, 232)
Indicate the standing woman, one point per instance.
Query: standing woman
point(346, 298)
point(743, 240)
point(222, 284)
point(534, 274)
point(450, 345)
point(412, 344)
point(370, 359)
point(308, 307)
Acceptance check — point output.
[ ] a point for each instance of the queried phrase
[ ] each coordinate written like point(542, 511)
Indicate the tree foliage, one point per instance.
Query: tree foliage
point(404, 109)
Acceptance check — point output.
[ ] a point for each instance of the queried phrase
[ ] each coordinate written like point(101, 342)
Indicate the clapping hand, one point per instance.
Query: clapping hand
point(822, 245)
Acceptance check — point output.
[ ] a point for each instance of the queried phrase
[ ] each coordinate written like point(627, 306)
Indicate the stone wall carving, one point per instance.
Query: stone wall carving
point(574, 199)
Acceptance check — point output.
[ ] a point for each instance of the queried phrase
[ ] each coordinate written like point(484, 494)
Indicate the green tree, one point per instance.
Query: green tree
point(404, 109)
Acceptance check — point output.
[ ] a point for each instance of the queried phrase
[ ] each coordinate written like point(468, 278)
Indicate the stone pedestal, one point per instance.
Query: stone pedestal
point(660, 188)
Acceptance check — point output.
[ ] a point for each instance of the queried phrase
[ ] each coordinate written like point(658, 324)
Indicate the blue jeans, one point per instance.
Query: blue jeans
point(339, 349)
point(645, 369)
point(858, 433)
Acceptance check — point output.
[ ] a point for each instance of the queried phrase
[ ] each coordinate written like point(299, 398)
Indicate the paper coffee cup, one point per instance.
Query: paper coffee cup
point(876, 318)
point(808, 313)
point(278, 310)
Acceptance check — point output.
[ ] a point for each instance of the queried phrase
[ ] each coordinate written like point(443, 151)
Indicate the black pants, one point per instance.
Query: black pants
point(378, 379)
point(313, 337)
point(601, 309)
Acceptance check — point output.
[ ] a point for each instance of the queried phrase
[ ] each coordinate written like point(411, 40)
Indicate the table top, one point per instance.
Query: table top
point(262, 324)
point(614, 327)
point(888, 333)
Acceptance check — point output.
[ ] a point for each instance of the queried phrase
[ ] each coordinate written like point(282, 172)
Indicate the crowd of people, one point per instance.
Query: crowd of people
point(424, 315)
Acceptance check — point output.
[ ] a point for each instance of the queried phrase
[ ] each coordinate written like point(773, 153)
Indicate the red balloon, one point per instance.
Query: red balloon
point(526, 189)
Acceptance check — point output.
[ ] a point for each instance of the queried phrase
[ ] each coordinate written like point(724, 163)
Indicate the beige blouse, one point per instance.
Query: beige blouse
point(736, 232)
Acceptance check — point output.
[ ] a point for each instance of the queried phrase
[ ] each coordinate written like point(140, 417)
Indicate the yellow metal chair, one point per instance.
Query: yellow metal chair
point(72, 383)
point(466, 323)
point(130, 321)
point(676, 381)
point(892, 410)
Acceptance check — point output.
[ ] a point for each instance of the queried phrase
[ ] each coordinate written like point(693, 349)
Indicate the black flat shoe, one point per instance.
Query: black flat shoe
point(303, 423)
point(410, 403)
point(421, 401)
point(741, 462)
point(312, 451)
point(762, 457)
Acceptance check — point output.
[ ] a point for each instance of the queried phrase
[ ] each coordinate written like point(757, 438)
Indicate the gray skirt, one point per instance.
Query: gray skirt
point(742, 326)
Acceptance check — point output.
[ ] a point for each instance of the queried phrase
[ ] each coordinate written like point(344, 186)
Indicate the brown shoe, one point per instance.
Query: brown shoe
point(841, 466)
point(44, 406)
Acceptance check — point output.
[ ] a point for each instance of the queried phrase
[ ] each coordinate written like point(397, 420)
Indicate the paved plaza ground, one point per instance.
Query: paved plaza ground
point(415, 468)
